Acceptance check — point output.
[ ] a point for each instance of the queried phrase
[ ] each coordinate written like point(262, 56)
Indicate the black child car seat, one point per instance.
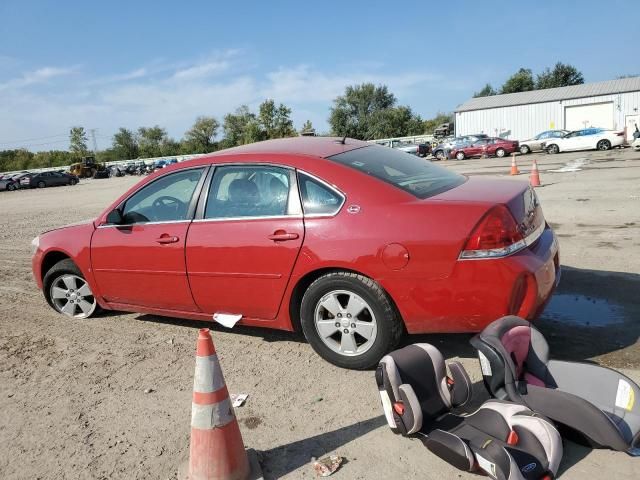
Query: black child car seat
point(602, 405)
point(502, 439)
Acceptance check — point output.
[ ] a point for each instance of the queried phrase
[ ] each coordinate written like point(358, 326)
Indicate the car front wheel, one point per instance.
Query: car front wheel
point(524, 149)
point(500, 153)
point(603, 145)
point(349, 320)
point(67, 291)
point(460, 155)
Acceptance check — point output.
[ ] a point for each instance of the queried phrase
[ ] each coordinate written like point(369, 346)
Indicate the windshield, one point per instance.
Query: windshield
point(412, 174)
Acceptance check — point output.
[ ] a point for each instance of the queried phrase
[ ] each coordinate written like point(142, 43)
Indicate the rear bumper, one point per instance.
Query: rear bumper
point(480, 291)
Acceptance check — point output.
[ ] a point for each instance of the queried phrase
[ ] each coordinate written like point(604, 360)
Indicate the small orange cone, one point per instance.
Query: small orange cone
point(534, 178)
point(514, 167)
point(217, 450)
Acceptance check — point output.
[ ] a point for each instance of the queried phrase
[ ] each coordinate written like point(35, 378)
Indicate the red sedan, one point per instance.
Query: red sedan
point(351, 242)
point(490, 147)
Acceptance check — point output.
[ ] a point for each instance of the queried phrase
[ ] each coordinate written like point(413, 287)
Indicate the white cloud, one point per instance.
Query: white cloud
point(173, 95)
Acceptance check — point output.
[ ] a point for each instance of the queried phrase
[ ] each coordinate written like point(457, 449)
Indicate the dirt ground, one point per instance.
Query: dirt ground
point(72, 393)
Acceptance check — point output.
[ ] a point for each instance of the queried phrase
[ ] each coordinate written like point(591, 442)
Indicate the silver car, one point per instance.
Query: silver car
point(535, 144)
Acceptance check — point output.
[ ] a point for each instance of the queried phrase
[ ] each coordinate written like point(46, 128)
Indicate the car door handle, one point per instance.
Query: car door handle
point(167, 239)
point(281, 236)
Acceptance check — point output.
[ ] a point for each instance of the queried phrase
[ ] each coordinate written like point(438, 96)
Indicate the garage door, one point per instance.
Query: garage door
point(598, 115)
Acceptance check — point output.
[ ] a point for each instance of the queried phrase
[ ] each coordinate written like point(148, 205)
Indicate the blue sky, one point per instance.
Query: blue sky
point(104, 65)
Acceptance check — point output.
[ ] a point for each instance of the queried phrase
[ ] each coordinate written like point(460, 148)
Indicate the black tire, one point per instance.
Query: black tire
point(553, 149)
point(63, 267)
point(439, 155)
point(500, 153)
point(41, 184)
point(11, 187)
point(73, 182)
point(460, 156)
point(389, 325)
point(524, 149)
point(603, 145)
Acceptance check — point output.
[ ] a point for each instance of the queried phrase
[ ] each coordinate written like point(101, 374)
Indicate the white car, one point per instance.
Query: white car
point(587, 139)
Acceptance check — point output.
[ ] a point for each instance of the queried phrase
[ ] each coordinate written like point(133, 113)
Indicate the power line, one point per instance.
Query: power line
point(34, 139)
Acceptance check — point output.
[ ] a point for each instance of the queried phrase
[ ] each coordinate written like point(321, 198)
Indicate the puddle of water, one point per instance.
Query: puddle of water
point(573, 166)
point(583, 310)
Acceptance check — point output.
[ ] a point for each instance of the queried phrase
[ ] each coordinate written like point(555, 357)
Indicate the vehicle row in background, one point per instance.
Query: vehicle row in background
point(487, 147)
point(587, 139)
point(14, 181)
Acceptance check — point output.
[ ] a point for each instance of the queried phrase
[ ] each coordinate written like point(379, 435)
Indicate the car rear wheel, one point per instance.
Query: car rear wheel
point(11, 187)
point(41, 184)
point(67, 291)
point(349, 320)
point(603, 145)
point(553, 149)
point(439, 155)
point(500, 153)
point(73, 181)
point(460, 156)
point(524, 149)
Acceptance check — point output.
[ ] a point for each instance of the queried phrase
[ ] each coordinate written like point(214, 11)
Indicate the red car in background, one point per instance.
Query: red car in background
point(350, 242)
point(490, 147)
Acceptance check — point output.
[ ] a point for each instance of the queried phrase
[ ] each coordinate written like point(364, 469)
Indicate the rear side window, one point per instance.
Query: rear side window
point(248, 191)
point(410, 173)
point(318, 198)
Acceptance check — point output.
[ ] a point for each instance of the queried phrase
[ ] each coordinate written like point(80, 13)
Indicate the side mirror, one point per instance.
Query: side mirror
point(114, 217)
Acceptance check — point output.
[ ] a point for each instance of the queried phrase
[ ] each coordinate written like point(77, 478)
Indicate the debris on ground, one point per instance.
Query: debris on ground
point(238, 399)
point(149, 390)
point(327, 465)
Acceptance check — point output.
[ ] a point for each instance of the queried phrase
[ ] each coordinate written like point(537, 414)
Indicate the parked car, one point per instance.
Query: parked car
point(535, 144)
point(424, 149)
point(444, 130)
point(11, 181)
point(349, 241)
point(159, 164)
point(495, 146)
point(587, 139)
point(47, 179)
point(442, 150)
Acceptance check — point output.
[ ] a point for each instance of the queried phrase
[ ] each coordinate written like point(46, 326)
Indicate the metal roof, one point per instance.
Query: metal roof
point(595, 89)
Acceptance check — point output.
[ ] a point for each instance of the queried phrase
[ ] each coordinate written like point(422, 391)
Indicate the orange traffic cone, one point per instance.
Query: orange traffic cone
point(534, 178)
point(514, 167)
point(216, 451)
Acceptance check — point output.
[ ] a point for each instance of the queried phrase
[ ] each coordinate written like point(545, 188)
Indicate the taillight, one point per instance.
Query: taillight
point(496, 235)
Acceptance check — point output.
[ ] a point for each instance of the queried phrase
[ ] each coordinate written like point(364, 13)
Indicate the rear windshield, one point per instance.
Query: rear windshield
point(410, 173)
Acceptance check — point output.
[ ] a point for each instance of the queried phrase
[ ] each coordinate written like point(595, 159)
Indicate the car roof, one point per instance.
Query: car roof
point(314, 146)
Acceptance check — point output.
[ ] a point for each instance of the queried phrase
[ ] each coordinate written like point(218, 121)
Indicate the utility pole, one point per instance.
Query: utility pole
point(93, 138)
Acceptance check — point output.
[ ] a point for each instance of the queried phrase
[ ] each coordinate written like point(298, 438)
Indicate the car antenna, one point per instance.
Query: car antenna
point(343, 139)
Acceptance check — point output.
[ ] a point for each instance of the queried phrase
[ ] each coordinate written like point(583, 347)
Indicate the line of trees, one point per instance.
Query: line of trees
point(561, 75)
point(364, 111)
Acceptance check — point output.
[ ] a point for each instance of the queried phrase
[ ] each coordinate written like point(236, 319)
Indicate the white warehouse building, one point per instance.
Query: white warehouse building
point(613, 104)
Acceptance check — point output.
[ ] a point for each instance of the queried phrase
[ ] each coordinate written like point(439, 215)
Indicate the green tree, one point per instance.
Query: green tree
point(78, 141)
point(521, 81)
point(151, 140)
point(234, 126)
point(275, 120)
point(307, 128)
point(561, 76)
point(366, 112)
point(200, 137)
point(125, 145)
point(486, 91)
point(433, 123)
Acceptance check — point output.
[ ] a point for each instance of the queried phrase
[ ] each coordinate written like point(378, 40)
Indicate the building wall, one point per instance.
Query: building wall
point(524, 121)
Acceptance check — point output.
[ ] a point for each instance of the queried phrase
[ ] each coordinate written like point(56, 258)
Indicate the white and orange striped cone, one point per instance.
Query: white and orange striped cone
point(534, 178)
point(514, 165)
point(217, 450)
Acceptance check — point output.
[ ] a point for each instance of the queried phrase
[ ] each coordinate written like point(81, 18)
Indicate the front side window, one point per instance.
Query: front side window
point(318, 198)
point(248, 191)
point(164, 200)
point(410, 173)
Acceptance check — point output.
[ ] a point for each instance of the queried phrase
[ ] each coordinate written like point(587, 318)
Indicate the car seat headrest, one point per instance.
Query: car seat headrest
point(460, 384)
point(243, 191)
point(413, 386)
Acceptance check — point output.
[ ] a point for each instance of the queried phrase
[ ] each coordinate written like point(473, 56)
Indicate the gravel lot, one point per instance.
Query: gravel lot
point(72, 401)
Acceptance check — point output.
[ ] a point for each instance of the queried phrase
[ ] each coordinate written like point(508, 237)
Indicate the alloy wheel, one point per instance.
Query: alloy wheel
point(345, 323)
point(71, 296)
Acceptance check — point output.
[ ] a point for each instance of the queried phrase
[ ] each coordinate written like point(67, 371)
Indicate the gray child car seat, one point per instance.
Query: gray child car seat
point(502, 439)
point(602, 405)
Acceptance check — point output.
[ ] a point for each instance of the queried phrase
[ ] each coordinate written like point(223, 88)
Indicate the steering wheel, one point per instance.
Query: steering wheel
point(166, 202)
